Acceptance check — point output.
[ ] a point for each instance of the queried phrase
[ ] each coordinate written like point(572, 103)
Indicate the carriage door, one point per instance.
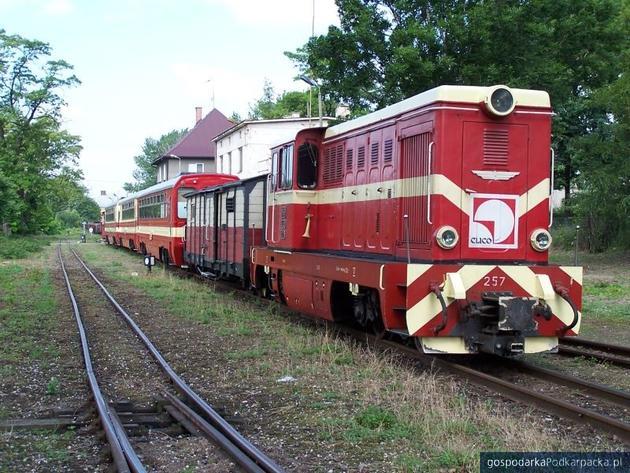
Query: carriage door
point(415, 144)
point(209, 228)
point(228, 204)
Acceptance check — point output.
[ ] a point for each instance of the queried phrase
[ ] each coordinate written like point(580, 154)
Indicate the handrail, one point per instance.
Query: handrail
point(553, 162)
point(429, 184)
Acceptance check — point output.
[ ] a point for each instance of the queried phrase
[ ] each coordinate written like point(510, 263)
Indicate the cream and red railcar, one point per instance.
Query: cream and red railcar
point(153, 220)
point(428, 218)
point(224, 223)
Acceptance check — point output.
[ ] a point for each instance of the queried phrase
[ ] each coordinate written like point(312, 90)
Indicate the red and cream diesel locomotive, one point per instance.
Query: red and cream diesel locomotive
point(428, 218)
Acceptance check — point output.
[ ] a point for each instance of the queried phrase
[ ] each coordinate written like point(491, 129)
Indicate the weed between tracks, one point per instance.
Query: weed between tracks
point(35, 367)
point(339, 399)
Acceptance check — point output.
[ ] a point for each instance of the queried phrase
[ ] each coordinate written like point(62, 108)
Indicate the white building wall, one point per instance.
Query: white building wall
point(254, 140)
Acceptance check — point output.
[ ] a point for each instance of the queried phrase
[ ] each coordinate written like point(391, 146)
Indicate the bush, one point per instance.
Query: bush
point(16, 247)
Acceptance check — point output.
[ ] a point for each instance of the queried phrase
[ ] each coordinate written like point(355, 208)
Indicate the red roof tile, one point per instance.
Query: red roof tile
point(198, 142)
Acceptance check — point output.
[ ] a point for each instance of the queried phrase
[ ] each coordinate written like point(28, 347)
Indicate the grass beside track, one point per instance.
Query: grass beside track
point(28, 314)
point(368, 406)
point(606, 297)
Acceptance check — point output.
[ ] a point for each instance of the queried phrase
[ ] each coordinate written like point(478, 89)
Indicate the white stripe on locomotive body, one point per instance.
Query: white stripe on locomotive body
point(409, 187)
point(445, 93)
point(457, 345)
point(429, 306)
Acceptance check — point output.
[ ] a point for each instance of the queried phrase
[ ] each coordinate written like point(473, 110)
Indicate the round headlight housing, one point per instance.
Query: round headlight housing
point(500, 101)
point(447, 237)
point(540, 240)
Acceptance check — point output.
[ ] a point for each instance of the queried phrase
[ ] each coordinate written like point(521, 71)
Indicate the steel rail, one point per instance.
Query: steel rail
point(616, 396)
point(221, 424)
point(211, 432)
point(512, 391)
point(123, 454)
point(595, 345)
point(615, 354)
point(603, 357)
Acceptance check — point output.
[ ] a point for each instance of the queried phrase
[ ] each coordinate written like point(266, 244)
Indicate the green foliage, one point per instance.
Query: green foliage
point(37, 157)
point(16, 247)
point(52, 388)
point(272, 106)
point(145, 174)
point(384, 51)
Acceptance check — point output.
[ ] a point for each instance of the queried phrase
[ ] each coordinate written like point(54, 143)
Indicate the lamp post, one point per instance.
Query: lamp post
point(312, 83)
point(179, 161)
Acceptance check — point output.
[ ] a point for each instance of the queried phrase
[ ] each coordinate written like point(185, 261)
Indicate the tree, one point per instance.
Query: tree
point(288, 104)
point(387, 50)
point(34, 150)
point(603, 203)
point(145, 173)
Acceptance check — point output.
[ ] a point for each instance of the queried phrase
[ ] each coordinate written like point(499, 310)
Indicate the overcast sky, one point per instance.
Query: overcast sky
point(145, 64)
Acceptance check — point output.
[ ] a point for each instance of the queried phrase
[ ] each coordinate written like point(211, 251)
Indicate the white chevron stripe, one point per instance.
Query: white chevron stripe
point(429, 306)
point(526, 278)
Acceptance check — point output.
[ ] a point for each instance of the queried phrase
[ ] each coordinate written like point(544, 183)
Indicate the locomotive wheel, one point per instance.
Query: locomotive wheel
point(378, 329)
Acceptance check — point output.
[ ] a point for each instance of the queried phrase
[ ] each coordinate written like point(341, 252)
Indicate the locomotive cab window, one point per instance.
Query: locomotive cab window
point(307, 166)
point(274, 171)
point(286, 167)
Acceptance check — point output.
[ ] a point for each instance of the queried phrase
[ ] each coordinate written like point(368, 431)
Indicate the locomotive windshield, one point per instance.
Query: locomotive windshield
point(307, 166)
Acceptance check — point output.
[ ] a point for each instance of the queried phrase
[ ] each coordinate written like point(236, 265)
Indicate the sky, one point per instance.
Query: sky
point(144, 65)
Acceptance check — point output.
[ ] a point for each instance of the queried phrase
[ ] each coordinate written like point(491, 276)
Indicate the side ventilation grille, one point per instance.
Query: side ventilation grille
point(333, 165)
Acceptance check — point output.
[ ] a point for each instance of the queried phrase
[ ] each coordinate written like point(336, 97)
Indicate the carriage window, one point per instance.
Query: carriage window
point(307, 166)
point(128, 210)
point(182, 209)
point(286, 169)
point(153, 207)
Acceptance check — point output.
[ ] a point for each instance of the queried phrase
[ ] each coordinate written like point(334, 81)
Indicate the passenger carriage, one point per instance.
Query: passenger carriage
point(152, 221)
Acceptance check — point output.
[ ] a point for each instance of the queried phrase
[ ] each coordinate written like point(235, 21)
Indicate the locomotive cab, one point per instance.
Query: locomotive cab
point(292, 197)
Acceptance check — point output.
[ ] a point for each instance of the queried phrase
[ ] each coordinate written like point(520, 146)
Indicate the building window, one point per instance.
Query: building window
point(195, 167)
point(221, 163)
point(240, 159)
point(230, 162)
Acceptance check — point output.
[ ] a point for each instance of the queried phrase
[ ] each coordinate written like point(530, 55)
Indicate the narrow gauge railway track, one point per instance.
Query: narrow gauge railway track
point(513, 391)
point(516, 392)
point(617, 355)
point(194, 414)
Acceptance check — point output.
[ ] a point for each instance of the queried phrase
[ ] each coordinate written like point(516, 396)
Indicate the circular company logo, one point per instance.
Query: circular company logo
point(493, 223)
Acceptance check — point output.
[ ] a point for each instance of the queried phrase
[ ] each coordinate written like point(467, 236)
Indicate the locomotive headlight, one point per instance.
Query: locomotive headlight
point(541, 240)
point(500, 101)
point(447, 237)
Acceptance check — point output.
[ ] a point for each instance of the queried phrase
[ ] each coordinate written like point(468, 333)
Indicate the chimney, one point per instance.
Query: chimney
point(197, 115)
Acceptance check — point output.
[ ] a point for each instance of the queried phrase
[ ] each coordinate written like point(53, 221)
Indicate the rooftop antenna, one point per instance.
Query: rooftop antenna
point(212, 93)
